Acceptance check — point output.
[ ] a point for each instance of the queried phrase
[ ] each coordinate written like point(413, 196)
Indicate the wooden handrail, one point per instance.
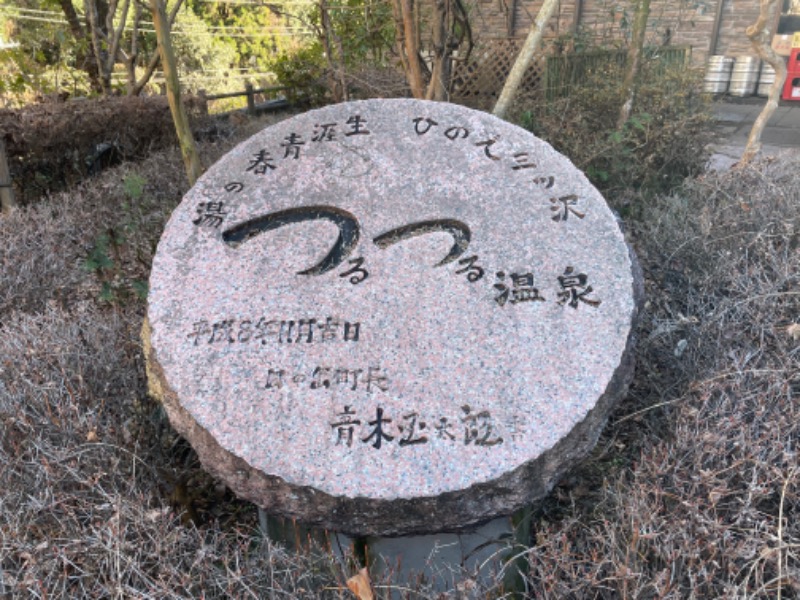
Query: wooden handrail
point(7, 202)
point(273, 88)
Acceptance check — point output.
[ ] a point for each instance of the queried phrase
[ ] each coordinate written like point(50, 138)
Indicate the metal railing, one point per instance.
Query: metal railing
point(566, 71)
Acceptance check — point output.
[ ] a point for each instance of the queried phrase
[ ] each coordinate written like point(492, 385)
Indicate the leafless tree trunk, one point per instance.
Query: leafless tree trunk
point(335, 58)
point(451, 30)
point(760, 36)
point(524, 59)
point(437, 86)
point(634, 61)
point(103, 36)
point(115, 34)
point(85, 59)
point(191, 160)
point(408, 45)
point(134, 86)
point(95, 35)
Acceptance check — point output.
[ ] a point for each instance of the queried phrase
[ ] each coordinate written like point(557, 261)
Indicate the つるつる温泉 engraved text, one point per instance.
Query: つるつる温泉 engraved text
point(513, 288)
point(349, 258)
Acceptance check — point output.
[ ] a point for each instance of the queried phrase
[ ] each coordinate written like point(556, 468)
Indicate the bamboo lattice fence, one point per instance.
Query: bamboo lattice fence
point(477, 82)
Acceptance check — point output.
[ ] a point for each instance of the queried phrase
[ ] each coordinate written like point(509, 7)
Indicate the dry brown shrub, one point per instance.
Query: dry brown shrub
point(53, 145)
point(83, 514)
point(100, 497)
point(45, 245)
point(692, 492)
point(696, 494)
point(377, 82)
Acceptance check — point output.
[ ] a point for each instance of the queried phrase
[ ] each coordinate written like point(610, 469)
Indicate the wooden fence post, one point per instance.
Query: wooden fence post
point(203, 102)
point(7, 202)
point(251, 99)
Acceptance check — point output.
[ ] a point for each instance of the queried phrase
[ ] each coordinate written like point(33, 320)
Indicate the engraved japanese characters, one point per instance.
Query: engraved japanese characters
point(391, 304)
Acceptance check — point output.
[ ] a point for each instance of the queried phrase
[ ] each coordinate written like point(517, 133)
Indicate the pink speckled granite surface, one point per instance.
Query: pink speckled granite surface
point(431, 342)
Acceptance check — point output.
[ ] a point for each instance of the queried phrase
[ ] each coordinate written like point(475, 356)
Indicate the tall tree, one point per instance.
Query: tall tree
point(634, 61)
point(526, 54)
point(450, 30)
point(191, 160)
point(760, 36)
point(334, 52)
point(113, 39)
point(408, 45)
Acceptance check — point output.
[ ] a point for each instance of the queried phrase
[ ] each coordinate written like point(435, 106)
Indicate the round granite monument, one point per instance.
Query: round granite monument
point(391, 317)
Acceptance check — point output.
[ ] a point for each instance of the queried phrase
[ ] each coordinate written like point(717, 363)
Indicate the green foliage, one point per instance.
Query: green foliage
point(303, 73)
point(104, 259)
point(99, 260)
point(664, 141)
point(212, 42)
point(363, 28)
point(254, 32)
point(133, 185)
point(44, 60)
point(204, 60)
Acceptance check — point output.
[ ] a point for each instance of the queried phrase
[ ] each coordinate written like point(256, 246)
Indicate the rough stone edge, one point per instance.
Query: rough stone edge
point(450, 511)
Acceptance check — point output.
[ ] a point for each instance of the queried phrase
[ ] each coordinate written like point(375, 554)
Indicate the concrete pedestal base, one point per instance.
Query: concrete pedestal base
point(448, 561)
point(491, 556)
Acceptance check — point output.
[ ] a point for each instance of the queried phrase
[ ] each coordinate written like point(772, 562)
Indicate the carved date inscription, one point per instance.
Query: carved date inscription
point(274, 331)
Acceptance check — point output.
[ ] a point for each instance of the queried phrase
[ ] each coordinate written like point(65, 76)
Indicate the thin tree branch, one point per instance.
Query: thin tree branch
point(760, 35)
point(113, 46)
point(524, 58)
point(72, 19)
point(155, 60)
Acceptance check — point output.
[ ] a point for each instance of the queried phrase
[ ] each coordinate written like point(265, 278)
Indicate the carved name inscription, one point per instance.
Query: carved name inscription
point(469, 428)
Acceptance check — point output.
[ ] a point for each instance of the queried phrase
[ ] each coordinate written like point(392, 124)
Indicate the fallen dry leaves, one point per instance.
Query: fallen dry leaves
point(360, 585)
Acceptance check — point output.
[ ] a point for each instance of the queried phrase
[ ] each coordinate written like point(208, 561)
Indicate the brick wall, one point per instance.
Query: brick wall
point(737, 16)
point(607, 22)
